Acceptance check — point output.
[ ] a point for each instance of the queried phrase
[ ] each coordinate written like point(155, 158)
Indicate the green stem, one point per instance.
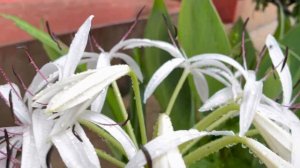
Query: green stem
point(210, 122)
point(212, 117)
point(103, 134)
point(210, 148)
point(103, 155)
point(139, 108)
point(176, 91)
point(128, 126)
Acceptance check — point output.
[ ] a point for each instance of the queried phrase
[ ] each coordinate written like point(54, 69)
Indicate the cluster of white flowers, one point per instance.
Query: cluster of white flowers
point(57, 99)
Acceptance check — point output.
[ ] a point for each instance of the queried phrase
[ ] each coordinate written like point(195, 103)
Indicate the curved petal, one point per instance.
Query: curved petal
point(172, 158)
point(30, 158)
point(160, 75)
point(295, 128)
point(277, 58)
point(216, 74)
point(77, 48)
point(166, 142)
point(211, 63)
point(266, 155)
point(222, 58)
point(133, 43)
point(116, 131)
point(88, 88)
point(251, 98)
point(132, 64)
point(98, 103)
point(201, 85)
point(76, 150)
point(19, 108)
point(49, 70)
point(278, 139)
point(220, 98)
point(41, 129)
point(46, 94)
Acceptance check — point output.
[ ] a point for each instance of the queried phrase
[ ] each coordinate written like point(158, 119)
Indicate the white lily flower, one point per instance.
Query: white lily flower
point(163, 150)
point(31, 132)
point(198, 67)
point(275, 122)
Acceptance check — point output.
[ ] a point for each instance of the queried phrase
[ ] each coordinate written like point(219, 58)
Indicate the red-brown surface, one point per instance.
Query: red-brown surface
point(227, 9)
point(66, 16)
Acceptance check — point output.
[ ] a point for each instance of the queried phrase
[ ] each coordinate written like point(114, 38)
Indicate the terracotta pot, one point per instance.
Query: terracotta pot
point(226, 9)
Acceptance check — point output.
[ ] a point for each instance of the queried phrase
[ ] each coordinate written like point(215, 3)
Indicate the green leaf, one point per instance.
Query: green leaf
point(38, 34)
point(153, 58)
point(201, 29)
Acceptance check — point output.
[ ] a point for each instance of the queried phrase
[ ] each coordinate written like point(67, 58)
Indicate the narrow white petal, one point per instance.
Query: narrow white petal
point(41, 129)
point(132, 64)
point(88, 88)
point(201, 85)
point(49, 70)
point(133, 43)
point(20, 109)
point(172, 158)
point(46, 94)
point(77, 48)
point(222, 58)
point(98, 103)
point(160, 75)
point(69, 117)
point(220, 98)
point(162, 144)
point(278, 139)
point(250, 100)
point(269, 158)
point(277, 58)
point(30, 158)
point(296, 146)
point(211, 64)
point(115, 130)
point(76, 151)
point(103, 60)
point(215, 73)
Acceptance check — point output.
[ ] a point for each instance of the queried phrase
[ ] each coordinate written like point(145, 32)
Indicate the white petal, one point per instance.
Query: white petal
point(277, 58)
point(216, 74)
point(46, 94)
point(266, 155)
point(69, 117)
point(160, 75)
point(212, 64)
point(173, 157)
point(98, 103)
point(77, 48)
point(88, 88)
point(20, 109)
point(278, 139)
point(116, 131)
point(73, 152)
point(166, 142)
point(103, 60)
point(222, 58)
point(30, 158)
point(41, 130)
point(132, 64)
point(251, 98)
point(220, 98)
point(201, 85)
point(296, 146)
point(49, 70)
point(133, 43)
